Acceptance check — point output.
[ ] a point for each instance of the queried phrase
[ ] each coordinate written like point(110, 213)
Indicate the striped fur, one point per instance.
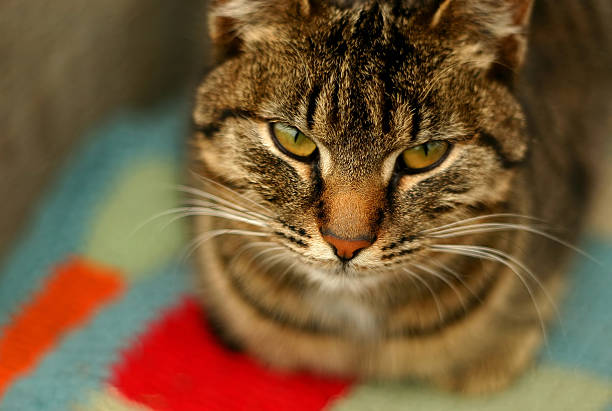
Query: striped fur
point(366, 80)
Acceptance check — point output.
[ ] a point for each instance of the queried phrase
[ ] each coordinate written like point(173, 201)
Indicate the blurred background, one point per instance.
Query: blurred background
point(104, 71)
point(67, 64)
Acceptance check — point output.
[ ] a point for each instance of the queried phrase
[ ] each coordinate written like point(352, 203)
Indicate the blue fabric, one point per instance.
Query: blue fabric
point(58, 228)
point(584, 337)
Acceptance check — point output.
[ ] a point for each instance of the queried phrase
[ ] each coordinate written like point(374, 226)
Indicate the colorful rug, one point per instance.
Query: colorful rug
point(96, 315)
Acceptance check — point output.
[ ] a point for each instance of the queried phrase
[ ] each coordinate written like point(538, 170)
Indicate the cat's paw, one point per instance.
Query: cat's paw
point(494, 371)
point(482, 378)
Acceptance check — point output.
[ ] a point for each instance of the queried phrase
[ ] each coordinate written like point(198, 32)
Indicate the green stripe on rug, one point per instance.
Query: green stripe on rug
point(109, 400)
point(545, 388)
point(125, 233)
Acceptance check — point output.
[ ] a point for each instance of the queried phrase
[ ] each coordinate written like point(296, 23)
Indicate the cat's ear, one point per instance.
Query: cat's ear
point(234, 23)
point(503, 23)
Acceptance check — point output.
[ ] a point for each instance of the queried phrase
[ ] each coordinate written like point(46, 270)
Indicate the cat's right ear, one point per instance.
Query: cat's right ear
point(234, 24)
point(501, 24)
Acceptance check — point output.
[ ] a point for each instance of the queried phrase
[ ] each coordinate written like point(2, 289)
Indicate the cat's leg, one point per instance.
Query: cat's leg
point(505, 345)
point(496, 368)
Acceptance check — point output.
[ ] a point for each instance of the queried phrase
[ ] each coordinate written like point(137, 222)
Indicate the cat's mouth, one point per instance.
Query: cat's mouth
point(357, 269)
point(330, 257)
point(378, 260)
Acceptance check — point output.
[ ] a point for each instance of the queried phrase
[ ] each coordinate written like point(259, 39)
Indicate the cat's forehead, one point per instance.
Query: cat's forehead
point(360, 76)
point(359, 81)
point(366, 38)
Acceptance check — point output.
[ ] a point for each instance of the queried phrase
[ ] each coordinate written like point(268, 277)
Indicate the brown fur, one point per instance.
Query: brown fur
point(366, 80)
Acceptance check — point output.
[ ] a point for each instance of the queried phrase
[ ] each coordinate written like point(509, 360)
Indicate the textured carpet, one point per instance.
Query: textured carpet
point(96, 311)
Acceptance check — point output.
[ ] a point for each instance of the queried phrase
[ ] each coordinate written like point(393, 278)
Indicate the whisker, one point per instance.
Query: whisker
point(492, 227)
point(443, 279)
point(234, 192)
point(153, 218)
point(186, 212)
point(254, 258)
point(202, 238)
point(461, 250)
point(247, 246)
point(526, 269)
point(211, 204)
point(431, 291)
point(458, 277)
point(482, 217)
point(288, 269)
point(201, 211)
point(268, 263)
point(204, 194)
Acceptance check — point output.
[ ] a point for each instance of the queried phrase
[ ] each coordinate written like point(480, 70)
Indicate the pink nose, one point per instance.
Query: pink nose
point(346, 248)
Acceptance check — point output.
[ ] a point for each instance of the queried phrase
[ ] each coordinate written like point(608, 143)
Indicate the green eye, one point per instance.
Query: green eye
point(425, 157)
point(292, 141)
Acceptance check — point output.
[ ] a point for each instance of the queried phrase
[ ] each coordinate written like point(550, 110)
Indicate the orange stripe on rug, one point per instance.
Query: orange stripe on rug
point(68, 299)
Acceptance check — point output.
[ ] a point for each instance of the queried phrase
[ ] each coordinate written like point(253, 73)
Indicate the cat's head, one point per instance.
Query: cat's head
point(359, 125)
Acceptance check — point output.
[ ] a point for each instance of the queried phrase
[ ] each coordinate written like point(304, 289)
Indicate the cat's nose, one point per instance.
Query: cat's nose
point(346, 248)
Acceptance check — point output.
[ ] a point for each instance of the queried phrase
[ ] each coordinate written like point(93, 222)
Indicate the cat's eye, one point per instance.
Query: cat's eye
point(424, 157)
point(292, 141)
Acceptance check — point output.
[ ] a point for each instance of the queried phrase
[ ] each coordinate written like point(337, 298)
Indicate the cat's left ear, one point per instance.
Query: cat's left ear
point(234, 24)
point(503, 23)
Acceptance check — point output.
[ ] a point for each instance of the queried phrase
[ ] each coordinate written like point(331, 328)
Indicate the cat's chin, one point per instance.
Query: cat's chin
point(341, 276)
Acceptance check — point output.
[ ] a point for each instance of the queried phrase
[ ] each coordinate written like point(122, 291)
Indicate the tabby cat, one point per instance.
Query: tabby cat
point(377, 182)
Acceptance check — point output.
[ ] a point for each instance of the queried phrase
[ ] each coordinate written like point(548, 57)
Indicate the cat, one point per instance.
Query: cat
point(376, 181)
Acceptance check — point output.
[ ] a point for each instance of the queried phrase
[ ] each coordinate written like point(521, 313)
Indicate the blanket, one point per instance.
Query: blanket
point(97, 310)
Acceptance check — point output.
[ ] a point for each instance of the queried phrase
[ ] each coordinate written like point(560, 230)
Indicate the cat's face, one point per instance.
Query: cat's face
point(357, 129)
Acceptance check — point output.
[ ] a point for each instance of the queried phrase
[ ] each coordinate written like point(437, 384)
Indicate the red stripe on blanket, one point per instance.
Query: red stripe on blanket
point(69, 297)
point(179, 366)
